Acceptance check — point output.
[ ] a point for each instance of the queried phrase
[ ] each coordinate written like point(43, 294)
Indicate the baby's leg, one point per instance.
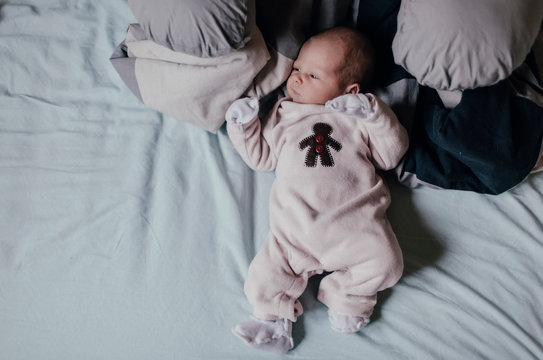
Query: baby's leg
point(351, 294)
point(272, 288)
point(346, 324)
point(271, 335)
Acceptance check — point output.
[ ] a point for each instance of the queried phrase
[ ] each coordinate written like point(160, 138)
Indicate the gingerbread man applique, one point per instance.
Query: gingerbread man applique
point(318, 144)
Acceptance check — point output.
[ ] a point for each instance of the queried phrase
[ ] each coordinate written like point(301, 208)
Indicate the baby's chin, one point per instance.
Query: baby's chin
point(293, 95)
point(299, 99)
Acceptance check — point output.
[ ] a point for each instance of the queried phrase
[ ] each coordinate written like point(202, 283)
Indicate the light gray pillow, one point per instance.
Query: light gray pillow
point(450, 44)
point(203, 28)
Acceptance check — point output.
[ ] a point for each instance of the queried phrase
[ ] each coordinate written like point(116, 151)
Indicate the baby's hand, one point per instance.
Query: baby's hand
point(242, 110)
point(353, 104)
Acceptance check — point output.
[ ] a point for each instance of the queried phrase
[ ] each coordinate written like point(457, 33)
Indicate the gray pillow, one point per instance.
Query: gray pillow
point(450, 44)
point(203, 28)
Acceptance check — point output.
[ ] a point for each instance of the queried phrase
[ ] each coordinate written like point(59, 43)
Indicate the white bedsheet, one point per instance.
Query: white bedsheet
point(125, 234)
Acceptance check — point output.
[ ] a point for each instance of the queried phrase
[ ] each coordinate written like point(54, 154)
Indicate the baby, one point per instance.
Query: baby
point(327, 204)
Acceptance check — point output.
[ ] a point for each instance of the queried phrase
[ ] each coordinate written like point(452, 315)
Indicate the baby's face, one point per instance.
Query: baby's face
point(314, 78)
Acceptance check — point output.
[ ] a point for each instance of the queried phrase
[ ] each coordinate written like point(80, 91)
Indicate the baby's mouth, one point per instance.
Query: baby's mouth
point(293, 93)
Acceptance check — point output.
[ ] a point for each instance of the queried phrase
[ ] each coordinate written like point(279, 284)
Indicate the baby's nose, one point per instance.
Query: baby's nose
point(297, 77)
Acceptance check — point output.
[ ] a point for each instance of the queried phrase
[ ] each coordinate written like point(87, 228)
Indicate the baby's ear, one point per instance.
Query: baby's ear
point(352, 89)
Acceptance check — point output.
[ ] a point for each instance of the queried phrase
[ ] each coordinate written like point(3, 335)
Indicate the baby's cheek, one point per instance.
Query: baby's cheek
point(289, 82)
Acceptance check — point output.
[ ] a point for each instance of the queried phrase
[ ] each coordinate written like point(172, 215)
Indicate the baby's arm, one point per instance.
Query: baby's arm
point(245, 131)
point(388, 140)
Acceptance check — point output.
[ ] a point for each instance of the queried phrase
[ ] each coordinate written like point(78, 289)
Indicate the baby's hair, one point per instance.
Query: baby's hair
point(359, 57)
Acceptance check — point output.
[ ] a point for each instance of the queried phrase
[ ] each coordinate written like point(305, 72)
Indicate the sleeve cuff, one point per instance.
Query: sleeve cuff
point(362, 105)
point(242, 111)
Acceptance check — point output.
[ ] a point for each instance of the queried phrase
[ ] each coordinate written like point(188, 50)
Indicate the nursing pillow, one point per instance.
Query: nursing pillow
point(453, 44)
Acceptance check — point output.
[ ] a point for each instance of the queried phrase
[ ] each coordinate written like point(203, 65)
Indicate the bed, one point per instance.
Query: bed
point(126, 232)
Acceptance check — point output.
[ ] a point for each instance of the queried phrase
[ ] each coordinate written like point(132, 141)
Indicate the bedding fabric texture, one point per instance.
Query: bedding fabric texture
point(450, 45)
point(195, 27)
point(189, 88)
point(127, 234)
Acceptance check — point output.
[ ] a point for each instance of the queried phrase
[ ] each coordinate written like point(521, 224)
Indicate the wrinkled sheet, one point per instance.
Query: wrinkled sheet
point(126, 234)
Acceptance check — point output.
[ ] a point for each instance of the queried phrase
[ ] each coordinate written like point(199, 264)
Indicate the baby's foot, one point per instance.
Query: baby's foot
point(346, 323)
point(274, 336)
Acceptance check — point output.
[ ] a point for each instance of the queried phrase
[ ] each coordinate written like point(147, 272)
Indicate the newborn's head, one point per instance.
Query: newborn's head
point(335, 62)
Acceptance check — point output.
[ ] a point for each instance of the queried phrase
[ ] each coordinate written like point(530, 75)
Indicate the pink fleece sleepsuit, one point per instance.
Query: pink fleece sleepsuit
point(327, 205)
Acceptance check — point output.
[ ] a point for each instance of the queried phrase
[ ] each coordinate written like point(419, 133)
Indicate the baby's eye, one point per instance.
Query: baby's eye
point(313, 76)
point(295, 69)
